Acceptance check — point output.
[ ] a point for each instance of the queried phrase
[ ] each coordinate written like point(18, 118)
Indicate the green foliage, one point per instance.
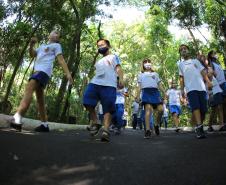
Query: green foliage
point(80, 27)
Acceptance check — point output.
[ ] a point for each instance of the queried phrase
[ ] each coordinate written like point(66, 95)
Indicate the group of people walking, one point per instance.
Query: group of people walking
point(202, 81)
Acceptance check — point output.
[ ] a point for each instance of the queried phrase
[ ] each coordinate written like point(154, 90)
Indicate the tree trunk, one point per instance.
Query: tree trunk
point(74, 73)
point(25, 74)
point(54, 114)
point(19, 61)
point(194, 39)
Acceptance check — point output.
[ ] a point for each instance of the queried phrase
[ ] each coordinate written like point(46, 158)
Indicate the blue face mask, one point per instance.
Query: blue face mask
point(103, 50)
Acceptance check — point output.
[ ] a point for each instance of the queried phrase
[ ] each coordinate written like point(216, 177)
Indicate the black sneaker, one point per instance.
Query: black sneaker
point(200, 132)
point(147, 134)
point(88, 127)
point(16, 127)
point(177, 130)
point(94, 129)
point(156, 127)
point(105, 137)
point(210, 129)
point(223, 128)
point(42, 128)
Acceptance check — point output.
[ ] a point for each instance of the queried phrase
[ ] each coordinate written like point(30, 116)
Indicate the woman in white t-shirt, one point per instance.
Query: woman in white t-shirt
point(45, 56)
point(150, 84)
point(215, 98)
point(220, 77)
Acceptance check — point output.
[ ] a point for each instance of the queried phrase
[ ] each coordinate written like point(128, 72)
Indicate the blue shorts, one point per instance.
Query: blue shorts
point(151, 96)
point(223, 87)
point(216, 100)
point(41, 77)
point(198, 100)
point(105, 94)
point(175, 109)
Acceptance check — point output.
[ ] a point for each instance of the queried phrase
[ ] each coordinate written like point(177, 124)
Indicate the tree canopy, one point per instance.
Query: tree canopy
point(81, 23)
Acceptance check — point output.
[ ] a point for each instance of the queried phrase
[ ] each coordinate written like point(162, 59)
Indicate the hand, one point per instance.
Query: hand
point(210, 85)
point(183, 94)
point(33, 41)
point(70, 79)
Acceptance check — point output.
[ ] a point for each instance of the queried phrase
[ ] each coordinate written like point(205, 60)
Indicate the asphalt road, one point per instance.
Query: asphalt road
point(73, 158)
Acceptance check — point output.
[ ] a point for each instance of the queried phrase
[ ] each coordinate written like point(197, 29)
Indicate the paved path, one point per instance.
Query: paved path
point(73, 158)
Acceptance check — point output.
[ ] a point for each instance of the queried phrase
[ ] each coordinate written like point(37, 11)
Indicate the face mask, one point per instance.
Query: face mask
point(215, 56)
point(103, 50)
point(147, 66)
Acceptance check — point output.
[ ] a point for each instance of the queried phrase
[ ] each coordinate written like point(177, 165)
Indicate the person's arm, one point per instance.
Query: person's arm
point(63, 64)
point(205, 77)
point(182, 86)
point(120, 74)
point(32, 51)
point(138, 90)
point(126, 94)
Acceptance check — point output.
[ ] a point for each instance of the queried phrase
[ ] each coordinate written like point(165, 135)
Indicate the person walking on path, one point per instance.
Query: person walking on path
point(192, 75)
point(45, 56)
point(150, 84)
point(174, 96)
point(103, 88)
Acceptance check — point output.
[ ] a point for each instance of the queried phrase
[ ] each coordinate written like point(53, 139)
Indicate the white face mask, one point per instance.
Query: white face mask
point(147, 66)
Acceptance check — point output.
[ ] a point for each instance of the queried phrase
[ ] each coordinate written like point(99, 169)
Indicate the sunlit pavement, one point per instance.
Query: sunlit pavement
point(73, 157)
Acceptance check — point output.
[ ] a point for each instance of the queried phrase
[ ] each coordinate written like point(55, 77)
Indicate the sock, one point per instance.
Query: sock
point(17, 118)
point(45, 124)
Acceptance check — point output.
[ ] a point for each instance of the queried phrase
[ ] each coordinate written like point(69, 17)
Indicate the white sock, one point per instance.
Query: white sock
point(45, 124)
point(17, 118)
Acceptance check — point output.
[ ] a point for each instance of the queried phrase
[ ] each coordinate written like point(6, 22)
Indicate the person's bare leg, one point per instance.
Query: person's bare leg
point(25, 102)
point(159, 114)
point(220, 114)
point(197, 116)
point(175, 119)
point(212, 116)
point(148, 111)
point(93, 115)
point(41, 104)
point(27, 98)
point(107, 121)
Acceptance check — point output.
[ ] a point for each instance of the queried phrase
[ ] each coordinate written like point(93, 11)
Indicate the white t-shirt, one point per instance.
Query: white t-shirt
point(46, 54)
point(174, 96)
point(179, 61)
point(191, 71)
point(216, 87)
point(105, 71)
point(148, 80)
point(219, 72)
point(165, 111)
point(135, 107)
point(120, 97)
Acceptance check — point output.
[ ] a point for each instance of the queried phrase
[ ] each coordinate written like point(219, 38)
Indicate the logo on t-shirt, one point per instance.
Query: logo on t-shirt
point(47, 49)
